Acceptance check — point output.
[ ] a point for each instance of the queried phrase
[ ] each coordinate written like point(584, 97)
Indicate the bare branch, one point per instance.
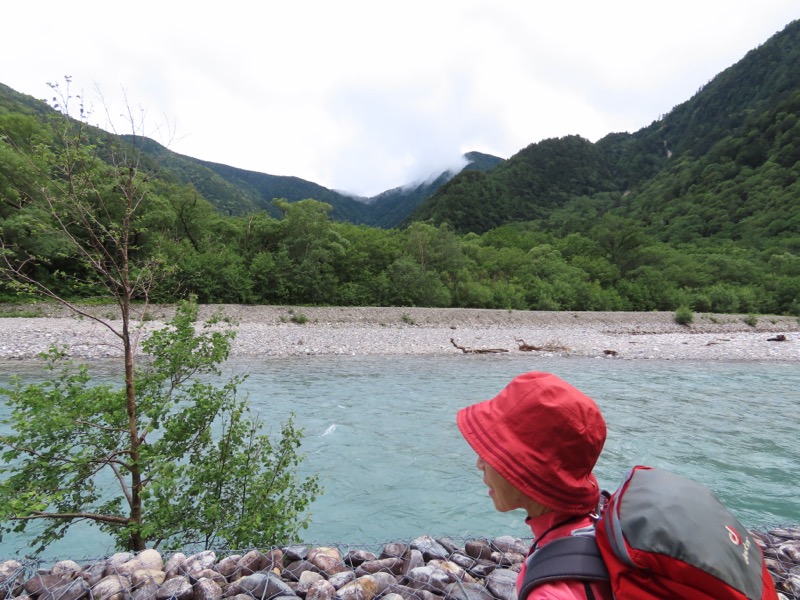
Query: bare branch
point(72, 516)
point(45, 291)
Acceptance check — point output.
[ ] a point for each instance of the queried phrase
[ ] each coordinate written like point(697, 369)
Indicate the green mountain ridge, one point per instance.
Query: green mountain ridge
point(542, 177)
point(386, 209)
point(392, 207)
point(235, 191)
point(745, 118)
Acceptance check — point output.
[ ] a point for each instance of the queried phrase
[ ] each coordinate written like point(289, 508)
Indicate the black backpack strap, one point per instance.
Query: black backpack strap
point(572, 557)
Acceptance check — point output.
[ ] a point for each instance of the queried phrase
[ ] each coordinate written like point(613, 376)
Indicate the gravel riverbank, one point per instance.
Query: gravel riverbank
point(297, 331)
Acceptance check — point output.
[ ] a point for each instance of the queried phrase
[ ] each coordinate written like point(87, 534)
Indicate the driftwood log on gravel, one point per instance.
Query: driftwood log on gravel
point(477, 350)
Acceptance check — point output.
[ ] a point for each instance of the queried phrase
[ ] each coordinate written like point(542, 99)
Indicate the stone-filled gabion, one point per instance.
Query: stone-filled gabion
point(424, 569)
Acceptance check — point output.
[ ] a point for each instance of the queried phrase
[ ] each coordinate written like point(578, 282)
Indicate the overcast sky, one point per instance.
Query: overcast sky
point(363, 96)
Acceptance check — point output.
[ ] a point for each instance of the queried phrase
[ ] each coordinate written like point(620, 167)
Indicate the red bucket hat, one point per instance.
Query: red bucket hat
point(544, 437)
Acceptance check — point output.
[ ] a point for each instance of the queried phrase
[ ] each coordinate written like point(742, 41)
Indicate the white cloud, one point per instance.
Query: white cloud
point(364, 96)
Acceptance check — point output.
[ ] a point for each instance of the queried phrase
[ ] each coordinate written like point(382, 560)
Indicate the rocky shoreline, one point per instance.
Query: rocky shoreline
point(304, 331)
point(423, 569)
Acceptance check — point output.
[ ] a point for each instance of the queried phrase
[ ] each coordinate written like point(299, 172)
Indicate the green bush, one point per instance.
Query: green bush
point(408, 319)
point(19, 313)
point(684, 315)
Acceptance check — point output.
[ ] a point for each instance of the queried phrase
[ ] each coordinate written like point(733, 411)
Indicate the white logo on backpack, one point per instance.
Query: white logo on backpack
point(737, 540)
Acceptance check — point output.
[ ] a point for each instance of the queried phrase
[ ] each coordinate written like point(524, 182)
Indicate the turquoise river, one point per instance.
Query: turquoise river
point(380, 432)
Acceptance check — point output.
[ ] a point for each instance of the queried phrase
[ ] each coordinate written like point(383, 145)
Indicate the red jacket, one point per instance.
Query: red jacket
point(544, 532)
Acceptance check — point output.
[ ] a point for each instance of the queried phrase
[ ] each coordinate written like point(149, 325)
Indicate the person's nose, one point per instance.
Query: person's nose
point(479, 464)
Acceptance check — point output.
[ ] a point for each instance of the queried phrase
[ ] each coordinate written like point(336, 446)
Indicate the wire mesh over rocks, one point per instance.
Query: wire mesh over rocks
point(423, 569)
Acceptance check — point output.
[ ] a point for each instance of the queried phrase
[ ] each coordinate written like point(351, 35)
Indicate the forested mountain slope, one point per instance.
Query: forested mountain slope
point(235, 191)
point(741, 127)
point(392, 207)
point(387, 209)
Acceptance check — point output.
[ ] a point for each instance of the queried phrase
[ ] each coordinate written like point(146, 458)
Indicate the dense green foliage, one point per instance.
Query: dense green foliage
point(207, 474)
point(697, 210)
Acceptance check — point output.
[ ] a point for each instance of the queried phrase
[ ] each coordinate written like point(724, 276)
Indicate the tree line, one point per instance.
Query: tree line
point(582, 257)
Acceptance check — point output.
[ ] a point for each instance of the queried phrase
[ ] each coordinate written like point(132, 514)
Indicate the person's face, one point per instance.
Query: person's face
point(504, 495)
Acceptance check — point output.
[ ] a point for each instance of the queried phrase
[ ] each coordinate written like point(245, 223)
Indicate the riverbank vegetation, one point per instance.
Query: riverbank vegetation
point(187, 464)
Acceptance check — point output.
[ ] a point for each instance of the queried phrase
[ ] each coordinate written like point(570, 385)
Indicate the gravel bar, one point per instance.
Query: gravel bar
point(305, 331)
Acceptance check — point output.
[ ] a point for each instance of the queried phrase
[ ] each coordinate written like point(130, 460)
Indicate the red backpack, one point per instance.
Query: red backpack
point(659, 536)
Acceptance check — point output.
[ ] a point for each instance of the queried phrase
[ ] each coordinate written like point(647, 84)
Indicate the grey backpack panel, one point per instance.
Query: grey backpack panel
point(666, 514)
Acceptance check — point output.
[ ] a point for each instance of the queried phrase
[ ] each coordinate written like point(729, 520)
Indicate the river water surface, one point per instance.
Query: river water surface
point(380, 431)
